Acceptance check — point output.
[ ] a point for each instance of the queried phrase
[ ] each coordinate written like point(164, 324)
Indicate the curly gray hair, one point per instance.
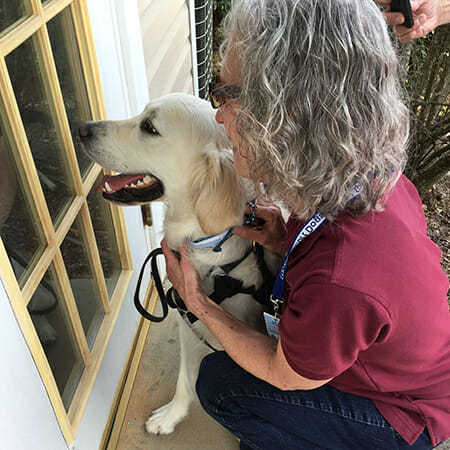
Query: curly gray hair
point(321, 103)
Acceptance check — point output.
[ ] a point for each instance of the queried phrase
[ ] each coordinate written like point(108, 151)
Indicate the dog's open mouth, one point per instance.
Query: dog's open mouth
point(130, 188)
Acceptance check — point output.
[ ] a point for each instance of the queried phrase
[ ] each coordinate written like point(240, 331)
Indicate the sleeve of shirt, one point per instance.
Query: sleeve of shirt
point(324, 327)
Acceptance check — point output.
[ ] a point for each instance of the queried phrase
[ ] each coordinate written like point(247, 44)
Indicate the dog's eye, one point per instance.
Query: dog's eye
point(148, 127)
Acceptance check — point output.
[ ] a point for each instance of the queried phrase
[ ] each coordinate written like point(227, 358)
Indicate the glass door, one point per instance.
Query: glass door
point(63, 251)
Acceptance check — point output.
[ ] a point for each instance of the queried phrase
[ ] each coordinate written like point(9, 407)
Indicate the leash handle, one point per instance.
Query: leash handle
point(159, 288)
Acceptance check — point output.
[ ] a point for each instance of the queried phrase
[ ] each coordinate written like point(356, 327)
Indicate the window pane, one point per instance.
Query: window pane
point(70, 74)
point(22, 241)
point(105, 237)
point(55, 333)
point(87, 298)
point(10, 12)
point(40, 129)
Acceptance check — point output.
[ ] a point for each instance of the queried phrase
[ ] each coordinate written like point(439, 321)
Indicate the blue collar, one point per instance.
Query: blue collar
point(215, 240)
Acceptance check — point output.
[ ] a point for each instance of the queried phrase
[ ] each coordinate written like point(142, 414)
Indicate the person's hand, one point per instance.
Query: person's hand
point(273, 232)
point(427, 15)
point(183, 276)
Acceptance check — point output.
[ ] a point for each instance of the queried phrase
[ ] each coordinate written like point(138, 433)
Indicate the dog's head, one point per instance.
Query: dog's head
point(174, 149)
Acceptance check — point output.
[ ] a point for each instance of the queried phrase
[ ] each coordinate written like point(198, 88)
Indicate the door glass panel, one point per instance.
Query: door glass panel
point(40, 129)
point(105, 237)
point(10, 12)
point(53, 327)
point(23, 242)
point(70, 74)
point(79, 270)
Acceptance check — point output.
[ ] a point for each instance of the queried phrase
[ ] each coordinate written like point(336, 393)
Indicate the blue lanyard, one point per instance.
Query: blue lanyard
point(313, 224)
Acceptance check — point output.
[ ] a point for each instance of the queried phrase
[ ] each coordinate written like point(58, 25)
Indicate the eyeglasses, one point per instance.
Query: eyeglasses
point(219, 93)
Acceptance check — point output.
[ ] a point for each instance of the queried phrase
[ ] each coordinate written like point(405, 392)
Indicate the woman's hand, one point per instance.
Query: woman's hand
point(184, 278)
point(427, 15)
point(273, 232)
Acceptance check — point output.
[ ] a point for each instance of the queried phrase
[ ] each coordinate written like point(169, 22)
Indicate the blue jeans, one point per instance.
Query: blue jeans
point(264, 417)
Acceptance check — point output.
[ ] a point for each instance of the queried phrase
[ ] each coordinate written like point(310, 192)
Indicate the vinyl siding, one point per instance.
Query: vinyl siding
point(165, 26)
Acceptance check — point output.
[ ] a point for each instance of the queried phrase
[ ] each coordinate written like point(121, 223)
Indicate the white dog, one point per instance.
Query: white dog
point(175, 151)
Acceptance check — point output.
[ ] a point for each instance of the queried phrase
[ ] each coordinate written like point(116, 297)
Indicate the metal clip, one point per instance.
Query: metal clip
point(251, 220)
point(277, 306)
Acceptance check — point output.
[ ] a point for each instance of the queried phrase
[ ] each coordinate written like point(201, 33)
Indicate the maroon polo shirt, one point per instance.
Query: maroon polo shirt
point(366, 305)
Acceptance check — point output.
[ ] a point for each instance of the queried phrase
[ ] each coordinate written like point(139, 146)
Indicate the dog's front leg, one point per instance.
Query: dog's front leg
point(165, 418)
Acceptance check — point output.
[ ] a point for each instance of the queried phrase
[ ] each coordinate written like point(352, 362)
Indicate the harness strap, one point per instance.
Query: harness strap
point(194, 330)
point(227, 268)
point(224, 287)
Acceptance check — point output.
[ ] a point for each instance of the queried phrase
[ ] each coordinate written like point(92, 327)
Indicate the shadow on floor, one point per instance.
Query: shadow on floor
point(154, 386)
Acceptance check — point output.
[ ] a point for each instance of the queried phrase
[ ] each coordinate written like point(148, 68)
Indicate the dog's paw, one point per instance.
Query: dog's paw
point(165, 419)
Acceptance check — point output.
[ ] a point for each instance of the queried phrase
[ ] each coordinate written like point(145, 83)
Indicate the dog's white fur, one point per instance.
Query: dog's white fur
point(204, 196)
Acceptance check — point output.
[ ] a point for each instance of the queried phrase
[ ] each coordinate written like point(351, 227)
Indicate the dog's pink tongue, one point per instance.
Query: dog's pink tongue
point(117, 182)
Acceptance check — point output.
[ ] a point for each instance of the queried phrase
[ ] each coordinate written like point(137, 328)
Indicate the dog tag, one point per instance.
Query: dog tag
point(272, 325)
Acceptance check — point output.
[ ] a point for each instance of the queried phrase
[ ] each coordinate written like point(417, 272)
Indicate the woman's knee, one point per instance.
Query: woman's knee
point(209, 375)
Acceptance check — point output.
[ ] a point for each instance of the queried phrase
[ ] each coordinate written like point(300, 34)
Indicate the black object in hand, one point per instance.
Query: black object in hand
point(403, 6)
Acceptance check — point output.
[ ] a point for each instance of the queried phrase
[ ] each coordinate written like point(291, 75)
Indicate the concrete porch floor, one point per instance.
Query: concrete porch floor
point(154, 386)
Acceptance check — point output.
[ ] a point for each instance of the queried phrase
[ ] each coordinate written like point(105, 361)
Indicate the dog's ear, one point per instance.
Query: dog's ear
point(217, 192)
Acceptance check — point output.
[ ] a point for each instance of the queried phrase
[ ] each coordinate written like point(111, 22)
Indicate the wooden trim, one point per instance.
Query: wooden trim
point(37, 273)
point(53, 8)
point(20, 34)
point(57, 109)
point(94, 258)
point(89, 375)
point(69, 307)
point(90, 178)
point(33, 343)
point(88, 57)
point(116, 418)
point(26, 169)
point(66, 222)
point(75, 66)
point(36, 7)
point(123, 245)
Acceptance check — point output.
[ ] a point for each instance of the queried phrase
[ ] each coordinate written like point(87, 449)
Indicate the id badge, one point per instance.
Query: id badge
point(272, 325)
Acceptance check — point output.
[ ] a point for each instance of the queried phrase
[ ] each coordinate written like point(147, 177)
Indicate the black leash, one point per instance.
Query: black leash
point(172, 298)
point(159, 288)
point(224, 286)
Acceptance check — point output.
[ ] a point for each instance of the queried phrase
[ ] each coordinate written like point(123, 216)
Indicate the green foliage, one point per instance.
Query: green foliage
point(221, 8)
point(222, 5)
point(426, 73)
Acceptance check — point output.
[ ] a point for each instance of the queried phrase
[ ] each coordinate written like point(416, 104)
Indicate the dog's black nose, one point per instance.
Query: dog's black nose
point(84, 130)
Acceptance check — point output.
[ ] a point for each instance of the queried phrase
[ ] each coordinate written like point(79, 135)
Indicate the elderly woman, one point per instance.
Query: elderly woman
point(312, 105)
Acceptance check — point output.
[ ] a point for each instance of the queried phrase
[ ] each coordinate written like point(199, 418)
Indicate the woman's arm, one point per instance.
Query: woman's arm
point(256, 353)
